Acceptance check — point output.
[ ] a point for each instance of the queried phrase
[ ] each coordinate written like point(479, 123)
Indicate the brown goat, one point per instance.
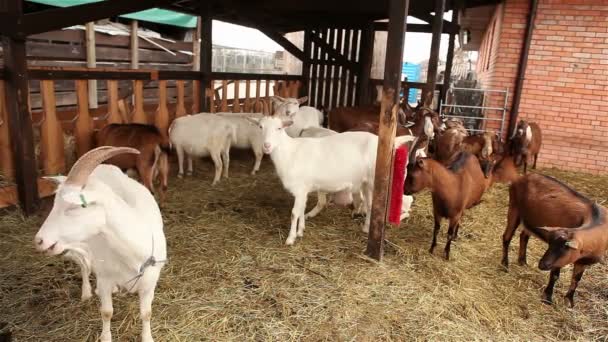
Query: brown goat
point(525, 142)
point(453, 190)
point(573, 226)
point(153, 147)
point(342, 119)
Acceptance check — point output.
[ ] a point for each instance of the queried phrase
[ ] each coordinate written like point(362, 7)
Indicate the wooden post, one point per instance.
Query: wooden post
point(20, 120)
point(134, 45)
point(224, 105)
point(205, 53)
point(51, 134)
point(236, 101)
point(398, 10)
point(161, 120)
point(114, 115)
point(306, 64)
point(450, 57)
point(431, 78)
point(138, 115)
point(247, 103)
point(196, 46)
point(91, 62)
point(366, 51)
point(83, 130)
point(196, 99)
point(180, 108)
point(6, 155)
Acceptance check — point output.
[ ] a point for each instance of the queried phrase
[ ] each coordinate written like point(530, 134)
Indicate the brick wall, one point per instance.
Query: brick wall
point(566, 85)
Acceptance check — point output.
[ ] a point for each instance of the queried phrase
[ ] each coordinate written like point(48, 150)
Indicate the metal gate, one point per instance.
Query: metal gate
point(474, 114)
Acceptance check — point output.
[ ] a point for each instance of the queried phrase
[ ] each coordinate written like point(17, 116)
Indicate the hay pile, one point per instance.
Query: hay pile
point(231, 278)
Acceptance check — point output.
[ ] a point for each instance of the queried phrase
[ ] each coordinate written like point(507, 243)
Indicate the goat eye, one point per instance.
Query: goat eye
point(280, 128)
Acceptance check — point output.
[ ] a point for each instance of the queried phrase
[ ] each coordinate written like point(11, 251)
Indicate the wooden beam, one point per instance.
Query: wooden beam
point(398, 10)
point(431, 76)
point(91, 62)
point(206, 51)
point(8, 24)
point(447, 75)
point(284, 42)
point(431, 19)
point(419, 28)
point(365, 59)
point(58, 18)
point(338, 57)
point(196, 46)
point(20, 122)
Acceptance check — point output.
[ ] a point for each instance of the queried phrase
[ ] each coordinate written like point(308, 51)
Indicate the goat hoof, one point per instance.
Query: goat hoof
point(446, 256)
point(300, 234)
point(290, 241)
point(180, 175)
point(86, 296)
point(522, 262)
point(570, 299)
point(548, 300)
point(189, 174)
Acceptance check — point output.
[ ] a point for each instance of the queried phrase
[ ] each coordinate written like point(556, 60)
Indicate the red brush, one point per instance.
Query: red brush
point(399, 173)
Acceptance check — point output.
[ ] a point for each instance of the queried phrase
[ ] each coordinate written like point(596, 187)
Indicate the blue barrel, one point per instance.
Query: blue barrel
point(412, 72)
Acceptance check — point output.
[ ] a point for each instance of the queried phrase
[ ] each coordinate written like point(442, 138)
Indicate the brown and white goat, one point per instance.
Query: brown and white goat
point(525, 142)
point(573, 226)
point(152, 145)
point(453, 190)
point(342, 119)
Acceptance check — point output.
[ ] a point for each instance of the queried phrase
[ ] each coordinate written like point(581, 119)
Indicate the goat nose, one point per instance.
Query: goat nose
point(38, 241)
point(266, 145)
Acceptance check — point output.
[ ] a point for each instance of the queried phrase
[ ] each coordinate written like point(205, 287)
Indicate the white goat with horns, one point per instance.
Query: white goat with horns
point(113, 223)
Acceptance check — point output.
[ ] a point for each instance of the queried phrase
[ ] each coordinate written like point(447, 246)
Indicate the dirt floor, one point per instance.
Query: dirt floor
point(231, 278)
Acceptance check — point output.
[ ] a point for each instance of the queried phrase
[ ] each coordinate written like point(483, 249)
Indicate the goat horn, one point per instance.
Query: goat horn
point(88, 162)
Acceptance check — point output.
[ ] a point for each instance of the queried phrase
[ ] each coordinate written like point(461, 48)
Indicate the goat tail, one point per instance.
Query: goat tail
point(322, 114)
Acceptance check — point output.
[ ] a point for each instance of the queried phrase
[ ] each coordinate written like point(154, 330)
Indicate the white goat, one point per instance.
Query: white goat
point(302, 117)
point(247, 136)
point(203, 135)
point(114, 223)
point(340, 163)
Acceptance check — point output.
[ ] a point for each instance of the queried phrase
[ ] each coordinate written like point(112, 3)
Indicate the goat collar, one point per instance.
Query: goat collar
point(151, 261)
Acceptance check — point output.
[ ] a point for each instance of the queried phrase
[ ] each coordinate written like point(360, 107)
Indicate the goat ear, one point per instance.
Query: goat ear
point(254, 121)
point(56, 179)
point(287, 123)
point(82, 198)
point(421, 163)
point(277, 98)
point(303, 100)
point(572, 244)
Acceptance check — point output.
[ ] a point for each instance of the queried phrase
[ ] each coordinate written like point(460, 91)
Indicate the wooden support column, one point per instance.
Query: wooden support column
point(161, 119)
point(91, 62)
point(450, 57)
point(19, 118)
point(366, 52)
point(398, 10)
point(306, 64)
point(83, 128)
point(134, 45)
point(206, 51)
point(431, 78)
point(7, 167)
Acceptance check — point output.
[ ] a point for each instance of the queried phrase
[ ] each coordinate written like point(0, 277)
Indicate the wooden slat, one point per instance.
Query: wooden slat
point(211, 95)
point(314, 83)
point(83, 128)
point(431, 78)
point(114, 115)
point(161, 120)
point(51, 134)
point(196, 103)
point(344, 77)
point(180, 109)
point(323, 69)
point(224, 106)
point(366, 51)
point(236, 108)
point(7, 167)
point(328, 71)
point(247, 104)
point(336, 72)
point(258, 104)
point(138, 115)
point(353, 56)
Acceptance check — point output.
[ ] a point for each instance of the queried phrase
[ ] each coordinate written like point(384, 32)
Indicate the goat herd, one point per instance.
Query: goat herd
point(110, 224)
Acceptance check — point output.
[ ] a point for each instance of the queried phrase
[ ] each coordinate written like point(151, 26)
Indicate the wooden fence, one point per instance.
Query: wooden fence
point(62, 135)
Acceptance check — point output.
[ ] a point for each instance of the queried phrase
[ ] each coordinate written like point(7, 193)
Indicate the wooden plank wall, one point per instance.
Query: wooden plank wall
point(63, 135)
point(333, 83)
